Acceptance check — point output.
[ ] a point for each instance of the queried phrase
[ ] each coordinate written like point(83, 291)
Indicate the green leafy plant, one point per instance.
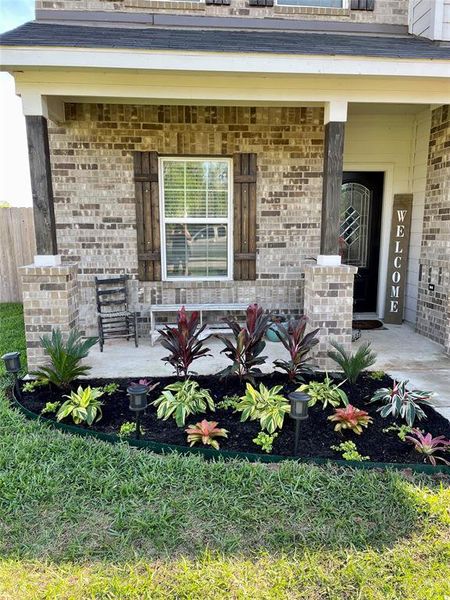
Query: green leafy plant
point(188, 399)
point(228, 402)
point(83, 405)
point(183, 342)
point(50, 407)
point(110, 388)
point(376, 375)
point(352, 364)
point(349, 451)
point(325, 392)
point(128, 429)
point(402, 430)
point(298, 345)
point(65, 357)
point(400, 402)
point(31, 386)
point(265, 441)
point(205, 432)
point(428, 445)
point(249, 343)
point(267, 405)
point(350, 417)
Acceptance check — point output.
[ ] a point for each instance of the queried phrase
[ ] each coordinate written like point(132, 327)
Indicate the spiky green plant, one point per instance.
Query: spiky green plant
point(352, 364)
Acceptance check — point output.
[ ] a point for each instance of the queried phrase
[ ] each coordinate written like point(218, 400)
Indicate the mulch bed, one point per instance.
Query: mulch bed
point(317, 435)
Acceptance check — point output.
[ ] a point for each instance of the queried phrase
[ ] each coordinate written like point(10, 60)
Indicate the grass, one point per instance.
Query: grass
point(83, 519)
point(12, 336)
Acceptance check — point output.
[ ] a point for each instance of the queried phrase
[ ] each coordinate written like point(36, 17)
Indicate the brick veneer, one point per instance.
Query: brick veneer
point(329, 306)
point(433, 307)
point(393, 12)
point(92, 167)
point(50, 300)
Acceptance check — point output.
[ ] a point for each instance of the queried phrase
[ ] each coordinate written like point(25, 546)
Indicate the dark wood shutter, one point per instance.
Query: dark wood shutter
point(362, 4)
point(147, 215)
point(244, 222)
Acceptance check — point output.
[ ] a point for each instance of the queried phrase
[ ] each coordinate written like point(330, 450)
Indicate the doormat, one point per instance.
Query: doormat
point(367, 324)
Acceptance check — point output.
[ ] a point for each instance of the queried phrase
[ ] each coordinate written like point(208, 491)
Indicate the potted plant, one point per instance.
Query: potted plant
point(275, 321)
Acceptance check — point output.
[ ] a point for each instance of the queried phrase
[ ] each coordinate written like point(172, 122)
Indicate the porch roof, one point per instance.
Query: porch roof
point(35, 34)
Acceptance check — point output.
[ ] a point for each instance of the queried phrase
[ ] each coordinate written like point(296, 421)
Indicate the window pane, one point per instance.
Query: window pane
point(196, 250)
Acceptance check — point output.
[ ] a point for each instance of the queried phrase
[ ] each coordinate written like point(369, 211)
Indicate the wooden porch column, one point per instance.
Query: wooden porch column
point(41, 185)
point(335, 117)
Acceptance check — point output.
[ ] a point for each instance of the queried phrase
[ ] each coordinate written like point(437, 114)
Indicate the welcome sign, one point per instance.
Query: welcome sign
point(398, 258)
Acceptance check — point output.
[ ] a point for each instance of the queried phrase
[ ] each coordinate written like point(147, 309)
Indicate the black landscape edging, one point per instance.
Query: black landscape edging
point(160, 448)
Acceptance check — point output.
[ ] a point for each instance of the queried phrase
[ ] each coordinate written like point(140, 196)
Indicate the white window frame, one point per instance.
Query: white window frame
point(194, 220)
point(345, 4)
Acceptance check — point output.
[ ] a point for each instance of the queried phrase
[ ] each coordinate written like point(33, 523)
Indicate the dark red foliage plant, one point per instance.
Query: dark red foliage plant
point(298, 345)
point(245, 352)
point(183, 342)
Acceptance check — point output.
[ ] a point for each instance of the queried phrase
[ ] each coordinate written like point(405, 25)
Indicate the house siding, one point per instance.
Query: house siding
point(92, 169)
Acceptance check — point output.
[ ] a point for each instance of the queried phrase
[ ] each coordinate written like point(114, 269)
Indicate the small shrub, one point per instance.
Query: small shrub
point(31, 386)
point(267, 405)
point(188, 399)
point(50, 407)
point(110, 388)
point(427, 444)
point(349, 451)
point(83, 405)
point(128, 429)
point(299, 346)
point(183, 342)
point(399, 402)
point(205, 432)
point(352, 364)
point(228, 402)
point(249, 343)
point(402, 430)
point(65, 358)
point(265, 440)
point(376, 375)
point(325, 392)
point(350, 417)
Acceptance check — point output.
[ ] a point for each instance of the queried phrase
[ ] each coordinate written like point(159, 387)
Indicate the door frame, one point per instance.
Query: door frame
point(387, 203)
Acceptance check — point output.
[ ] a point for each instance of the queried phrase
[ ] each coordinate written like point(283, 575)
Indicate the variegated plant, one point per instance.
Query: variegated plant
point(400, 402)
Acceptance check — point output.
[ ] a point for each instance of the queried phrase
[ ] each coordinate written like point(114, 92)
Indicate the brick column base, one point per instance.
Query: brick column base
point(329, 306)
point(50, 300)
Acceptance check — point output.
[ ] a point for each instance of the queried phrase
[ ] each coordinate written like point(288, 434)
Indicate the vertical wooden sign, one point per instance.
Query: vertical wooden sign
point(398, 258)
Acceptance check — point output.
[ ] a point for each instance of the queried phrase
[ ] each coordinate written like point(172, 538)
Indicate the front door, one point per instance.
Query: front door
point(359, 241)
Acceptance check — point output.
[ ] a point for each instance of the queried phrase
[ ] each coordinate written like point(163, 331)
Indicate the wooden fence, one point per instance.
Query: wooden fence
point(17, 248)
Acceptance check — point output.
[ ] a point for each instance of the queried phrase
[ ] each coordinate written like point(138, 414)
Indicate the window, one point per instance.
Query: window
point(315, 3)
point(196, 218)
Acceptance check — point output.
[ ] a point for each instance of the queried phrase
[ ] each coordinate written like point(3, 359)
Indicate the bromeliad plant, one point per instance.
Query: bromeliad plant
point(188, 399)
point(65, 358)
point(83, 405)
point(400, 402)
point(325, 392)
point(350, 417)
point(352, 364)
point(183, 342)
point(267, 405)
point(298, 345)
point(249, 343)
point(205, 432)
point(428, 445)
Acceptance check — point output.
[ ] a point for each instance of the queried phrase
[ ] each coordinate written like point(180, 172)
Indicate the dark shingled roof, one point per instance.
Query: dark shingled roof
point(214, 40)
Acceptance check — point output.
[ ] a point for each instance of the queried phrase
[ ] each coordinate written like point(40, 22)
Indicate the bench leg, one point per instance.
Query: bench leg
point(152, 327)
point(136, 342)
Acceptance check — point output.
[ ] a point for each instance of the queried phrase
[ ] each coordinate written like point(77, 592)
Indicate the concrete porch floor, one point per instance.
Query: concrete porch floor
point(401, 353)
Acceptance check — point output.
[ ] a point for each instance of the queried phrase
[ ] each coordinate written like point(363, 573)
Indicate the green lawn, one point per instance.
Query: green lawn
point(84, 519)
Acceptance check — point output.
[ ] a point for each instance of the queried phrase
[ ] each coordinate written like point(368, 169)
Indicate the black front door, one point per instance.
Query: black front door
point(359, 241)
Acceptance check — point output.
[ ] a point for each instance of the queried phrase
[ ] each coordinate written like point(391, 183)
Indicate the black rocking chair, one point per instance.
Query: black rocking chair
point(114, 318)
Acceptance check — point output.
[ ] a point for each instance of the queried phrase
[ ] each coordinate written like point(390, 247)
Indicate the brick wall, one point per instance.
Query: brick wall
point(394, 12)
point(92, 168)
point(433, 310)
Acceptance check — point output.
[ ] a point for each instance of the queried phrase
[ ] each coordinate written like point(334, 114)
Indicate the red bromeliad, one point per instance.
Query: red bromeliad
point(205, 431)
point(427, 444)
point(350, 417)
point(183, 341)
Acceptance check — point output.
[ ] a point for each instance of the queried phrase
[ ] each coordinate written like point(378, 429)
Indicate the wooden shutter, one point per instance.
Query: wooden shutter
point(362, 4)
point(244, 222)
point(147, 215)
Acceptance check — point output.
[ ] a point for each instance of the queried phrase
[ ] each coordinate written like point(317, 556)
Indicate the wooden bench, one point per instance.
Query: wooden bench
point(201, 308)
